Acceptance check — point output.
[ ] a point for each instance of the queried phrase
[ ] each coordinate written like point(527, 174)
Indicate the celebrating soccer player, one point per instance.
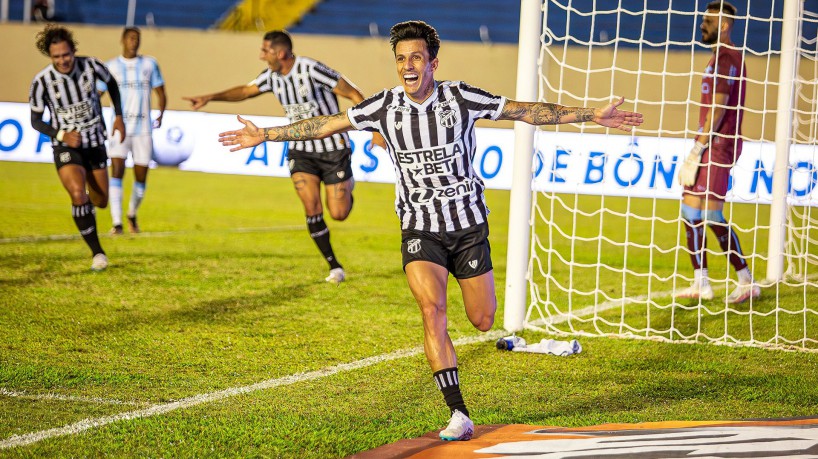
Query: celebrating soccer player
point(429, 127)
point(706, 171)
point(307, 88)
point(67, 87)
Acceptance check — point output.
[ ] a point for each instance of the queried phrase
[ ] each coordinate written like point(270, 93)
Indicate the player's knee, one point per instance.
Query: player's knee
point(433, 310)
point(100, 202)
point(484, 319)
point(713, 217)
point(691, 214)
point(339, 214)
point(485, 323)
point(480, 311)
point(78, 196)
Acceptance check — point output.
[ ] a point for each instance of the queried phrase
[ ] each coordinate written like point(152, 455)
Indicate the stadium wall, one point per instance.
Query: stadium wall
point(196, 62)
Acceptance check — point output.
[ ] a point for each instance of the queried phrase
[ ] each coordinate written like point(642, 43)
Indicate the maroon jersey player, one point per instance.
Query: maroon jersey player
point(705, 173)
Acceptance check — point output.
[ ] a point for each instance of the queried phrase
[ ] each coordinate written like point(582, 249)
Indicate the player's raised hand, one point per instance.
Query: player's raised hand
point(610, 116)
point(248, 136)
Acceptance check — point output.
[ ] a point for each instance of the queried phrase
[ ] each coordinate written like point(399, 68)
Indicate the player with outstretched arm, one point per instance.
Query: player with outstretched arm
point(306, 88)
point(429, 127)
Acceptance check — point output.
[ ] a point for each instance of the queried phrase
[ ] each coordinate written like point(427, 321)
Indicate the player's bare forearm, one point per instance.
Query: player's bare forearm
point(713, 119)
point(309, 129)
point(162, 98)
point(711, 124)
point(539, 113)
point(235, 94)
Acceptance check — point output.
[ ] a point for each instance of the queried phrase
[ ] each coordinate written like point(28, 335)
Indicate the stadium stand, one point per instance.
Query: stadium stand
point(264, 15)
point(156, 13)
point(463, 20)
point(454, 20)
point(470, 21)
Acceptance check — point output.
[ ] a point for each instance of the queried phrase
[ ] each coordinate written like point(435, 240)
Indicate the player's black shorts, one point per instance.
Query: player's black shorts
point(89, 158)
point(465, 253)
point(334, 168)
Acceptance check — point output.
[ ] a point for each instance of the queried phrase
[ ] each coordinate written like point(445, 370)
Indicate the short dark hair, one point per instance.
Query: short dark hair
point(131, 29)
point(279, 37)
point(722, 6)
point(414, 30)
point(53, 34)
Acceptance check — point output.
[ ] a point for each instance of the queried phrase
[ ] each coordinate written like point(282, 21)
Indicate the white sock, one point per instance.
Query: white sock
point(115, 199)
point(700, 277)
point(744, 276)
point(136, 198)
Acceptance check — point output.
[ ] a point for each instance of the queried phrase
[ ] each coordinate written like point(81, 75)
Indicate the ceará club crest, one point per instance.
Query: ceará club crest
point(448, 118)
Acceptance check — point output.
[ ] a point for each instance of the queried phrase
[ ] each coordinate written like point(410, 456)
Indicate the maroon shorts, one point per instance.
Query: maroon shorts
point(713, 178)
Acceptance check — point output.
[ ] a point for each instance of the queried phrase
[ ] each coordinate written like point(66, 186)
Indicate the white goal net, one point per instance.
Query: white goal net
point(607, 247)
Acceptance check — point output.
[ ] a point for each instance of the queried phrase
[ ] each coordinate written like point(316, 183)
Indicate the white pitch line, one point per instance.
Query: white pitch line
point(66, 398)
point(86, 424)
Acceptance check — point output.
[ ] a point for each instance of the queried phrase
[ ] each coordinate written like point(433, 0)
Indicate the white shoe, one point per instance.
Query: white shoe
point(460, 428)
point(696, 291)
point(336, 276)
point(744, 292)
point(99, 263)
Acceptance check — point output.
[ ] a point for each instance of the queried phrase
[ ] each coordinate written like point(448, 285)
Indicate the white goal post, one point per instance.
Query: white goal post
point(596, 246)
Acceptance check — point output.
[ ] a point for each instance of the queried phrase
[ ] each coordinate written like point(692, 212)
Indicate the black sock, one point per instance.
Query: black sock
point(86, 221)
point(449, 383)
point(320, 234)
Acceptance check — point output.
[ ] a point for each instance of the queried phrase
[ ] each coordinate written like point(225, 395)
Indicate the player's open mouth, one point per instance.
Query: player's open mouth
point(410, 77)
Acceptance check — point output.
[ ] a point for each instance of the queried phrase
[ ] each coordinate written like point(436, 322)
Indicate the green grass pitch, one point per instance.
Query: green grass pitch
point(225, 290)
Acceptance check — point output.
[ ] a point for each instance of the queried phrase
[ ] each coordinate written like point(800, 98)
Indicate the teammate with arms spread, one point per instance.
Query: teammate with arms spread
point(307, 88)
point(706, 171)
point(429, 127)
point(67, 88)
point(137, 75)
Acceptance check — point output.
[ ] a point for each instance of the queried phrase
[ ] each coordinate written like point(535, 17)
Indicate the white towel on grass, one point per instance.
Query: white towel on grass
point(551, 346)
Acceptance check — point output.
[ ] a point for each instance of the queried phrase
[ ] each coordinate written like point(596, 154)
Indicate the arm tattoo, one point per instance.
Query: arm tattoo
point(514, 111)
point(545, 113)
point(585, 114)
point(308, 129)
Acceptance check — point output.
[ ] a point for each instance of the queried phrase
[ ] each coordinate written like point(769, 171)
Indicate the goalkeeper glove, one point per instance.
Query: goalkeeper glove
point(687, 174)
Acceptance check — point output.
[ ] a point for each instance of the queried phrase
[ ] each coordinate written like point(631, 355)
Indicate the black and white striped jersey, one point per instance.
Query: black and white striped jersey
point(432, 146)
point(304, 93)
point(72, 99)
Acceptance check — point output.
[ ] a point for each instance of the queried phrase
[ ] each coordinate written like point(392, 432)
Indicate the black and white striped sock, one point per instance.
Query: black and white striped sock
point(86, 221)
point(448, 382)
point(320, 234)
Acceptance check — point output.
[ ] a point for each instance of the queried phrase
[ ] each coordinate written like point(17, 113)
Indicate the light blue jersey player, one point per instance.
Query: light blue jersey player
point(137, 76)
